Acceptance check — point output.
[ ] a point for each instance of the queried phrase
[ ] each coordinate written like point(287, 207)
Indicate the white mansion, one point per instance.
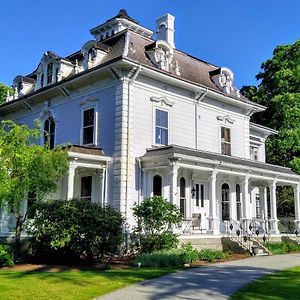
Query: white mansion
point(144, 119)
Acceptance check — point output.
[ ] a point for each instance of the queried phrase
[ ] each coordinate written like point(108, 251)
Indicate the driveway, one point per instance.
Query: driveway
point(216, 281)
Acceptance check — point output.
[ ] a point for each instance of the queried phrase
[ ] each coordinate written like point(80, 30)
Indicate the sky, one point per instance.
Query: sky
point(236, 34)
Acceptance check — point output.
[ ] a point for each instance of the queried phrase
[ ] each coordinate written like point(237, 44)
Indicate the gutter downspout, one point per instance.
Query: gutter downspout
point(198, 98)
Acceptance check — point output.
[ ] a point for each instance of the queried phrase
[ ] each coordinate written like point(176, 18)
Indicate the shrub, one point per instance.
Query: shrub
point(277, 248)
point(155, 218)
point(293, 247)
point(66, 231)
point(6, 257)
point(162, 258)
point(177, 257)
point(211, 255)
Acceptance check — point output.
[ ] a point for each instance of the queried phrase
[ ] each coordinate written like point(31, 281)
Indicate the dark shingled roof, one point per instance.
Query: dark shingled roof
point(174, 149)
point(123, 15)
point(86, 150)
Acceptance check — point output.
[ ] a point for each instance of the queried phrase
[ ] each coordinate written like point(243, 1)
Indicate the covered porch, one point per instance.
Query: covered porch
point(214, 191)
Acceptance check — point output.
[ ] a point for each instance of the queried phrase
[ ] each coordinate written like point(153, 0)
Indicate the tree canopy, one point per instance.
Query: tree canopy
point(26, 167)
point(3, 92)
point(279, 91)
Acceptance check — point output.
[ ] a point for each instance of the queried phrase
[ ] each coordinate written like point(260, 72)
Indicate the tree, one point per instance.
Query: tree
point(26, 168)
point(155, 218)
point(3, 92)
point(279, 91)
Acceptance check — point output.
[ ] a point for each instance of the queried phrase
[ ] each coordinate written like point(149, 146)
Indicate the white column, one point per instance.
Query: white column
point(106, 186)
point(173, 173)
point(213, 220)
point(145, 183)
point(297, 206)
point(246, 199)
point(233, 206)
point(102, 179)
point(273, 220)
point(71, 176)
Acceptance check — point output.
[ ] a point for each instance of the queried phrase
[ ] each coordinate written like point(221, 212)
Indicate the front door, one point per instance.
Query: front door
point(200, 204)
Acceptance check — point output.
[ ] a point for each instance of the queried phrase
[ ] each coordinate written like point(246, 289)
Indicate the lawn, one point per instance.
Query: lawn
point(70, 284)
point(280, 285)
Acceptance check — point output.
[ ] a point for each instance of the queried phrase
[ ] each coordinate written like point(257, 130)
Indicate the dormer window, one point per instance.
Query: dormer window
point(49, 73)
point(56, 74)
point(42, 80)
point(92, 54)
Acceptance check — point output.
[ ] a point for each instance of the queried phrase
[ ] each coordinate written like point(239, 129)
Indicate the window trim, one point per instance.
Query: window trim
point(95, 133)
point(155, 108)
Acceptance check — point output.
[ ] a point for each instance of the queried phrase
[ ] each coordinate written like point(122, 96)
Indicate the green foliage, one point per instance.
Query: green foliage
point(279, 91)
point(6, 256)
point(277, 248)
point(155, 218)
point(26, 167)
point(3, 92)
point(211, 255)
point(177, 257)
point(73, 230)
point(161, 258)
point(293, 247)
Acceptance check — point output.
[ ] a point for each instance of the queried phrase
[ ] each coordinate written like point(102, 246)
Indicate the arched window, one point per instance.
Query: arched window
point(182, 196)
point(49, 132)
point(225, 202)
point(157, 185)
point(238, 202)
point(49, 73)
point(92, 54)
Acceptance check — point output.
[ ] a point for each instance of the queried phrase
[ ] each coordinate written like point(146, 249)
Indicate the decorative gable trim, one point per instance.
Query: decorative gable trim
point(162, 100)
point(225, 119)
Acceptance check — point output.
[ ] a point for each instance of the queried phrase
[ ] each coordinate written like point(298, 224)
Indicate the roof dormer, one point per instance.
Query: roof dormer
point(93, 53)
point(118, 23)
point(223, 79)
point(22, 85)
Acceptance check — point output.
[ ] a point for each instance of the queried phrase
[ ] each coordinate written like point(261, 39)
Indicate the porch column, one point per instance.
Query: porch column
point(297, 206)
point(273, 220)
point(173, 173)
point(71, 176)
point(213, 220)
point(102, 179)
point(246, 199)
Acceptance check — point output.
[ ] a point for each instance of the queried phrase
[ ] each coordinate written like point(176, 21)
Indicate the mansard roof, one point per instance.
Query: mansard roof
point(175, 150)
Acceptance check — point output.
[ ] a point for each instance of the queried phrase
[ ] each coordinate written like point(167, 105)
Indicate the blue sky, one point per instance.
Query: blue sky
point(236, 34)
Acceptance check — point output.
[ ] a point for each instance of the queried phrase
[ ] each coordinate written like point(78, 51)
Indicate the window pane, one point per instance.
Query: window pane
point(161, 136)
point(157, 185)
point(202, 195)
point(88, 135)
point(197, 195)
point(88, 118)
point(161, 118)
point(86, 187)
point(182, 187)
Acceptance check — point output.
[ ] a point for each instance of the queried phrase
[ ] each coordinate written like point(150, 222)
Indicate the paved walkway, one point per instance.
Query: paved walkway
point(216, 281)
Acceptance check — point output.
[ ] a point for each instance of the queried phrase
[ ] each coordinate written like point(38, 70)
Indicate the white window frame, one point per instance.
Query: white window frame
point(154, 125)
point(95, 125)
point(254, 148)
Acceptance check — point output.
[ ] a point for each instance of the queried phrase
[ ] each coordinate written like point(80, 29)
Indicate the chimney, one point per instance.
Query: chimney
point(165, 29)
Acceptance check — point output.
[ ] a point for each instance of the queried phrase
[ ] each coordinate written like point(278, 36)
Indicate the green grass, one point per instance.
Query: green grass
point(79, 285)
point(280, 285)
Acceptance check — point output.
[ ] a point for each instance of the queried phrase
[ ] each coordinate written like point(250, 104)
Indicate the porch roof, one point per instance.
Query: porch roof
point(86, 150)
point(172, 151)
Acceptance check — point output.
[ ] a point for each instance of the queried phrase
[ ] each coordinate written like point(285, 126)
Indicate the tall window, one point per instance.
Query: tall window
point(88, 126)
point(238, 202)
point(42, 80)
point(157, 185)
point(225, 141)
point(254, 152)
point(199, 194)
point(49, 133)
point(86, 187)
point(225, 202)
point(257, 206)
point(49, 73)
point(182, 196)
point(161, 127)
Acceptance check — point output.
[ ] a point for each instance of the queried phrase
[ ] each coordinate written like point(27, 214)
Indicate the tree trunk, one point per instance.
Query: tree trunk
point(18, 231)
